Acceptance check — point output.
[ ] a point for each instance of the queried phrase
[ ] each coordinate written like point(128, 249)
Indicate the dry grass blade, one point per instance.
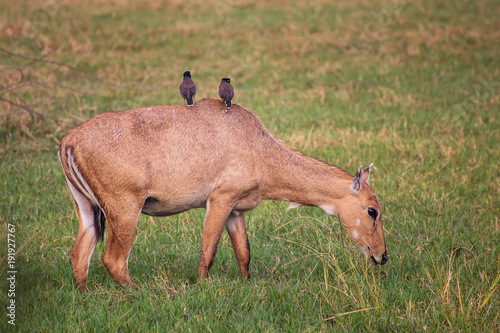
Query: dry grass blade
point(350, 312)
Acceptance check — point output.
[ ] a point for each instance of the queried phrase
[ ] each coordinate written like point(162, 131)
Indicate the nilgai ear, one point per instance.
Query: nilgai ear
point(293, 205)
point(357, 182)
point(366, 174)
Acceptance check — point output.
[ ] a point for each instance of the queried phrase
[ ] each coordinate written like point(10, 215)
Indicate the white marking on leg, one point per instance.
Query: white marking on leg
point(87, 216)
point(90, 257)
point(87, 191)
point(84, 206)
point(232, 221)
point(130, 250)
point(85, 200)
point(206, 213)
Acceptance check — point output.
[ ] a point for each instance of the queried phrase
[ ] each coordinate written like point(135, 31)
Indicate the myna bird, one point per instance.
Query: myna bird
point(188, 89)
point(226, 91)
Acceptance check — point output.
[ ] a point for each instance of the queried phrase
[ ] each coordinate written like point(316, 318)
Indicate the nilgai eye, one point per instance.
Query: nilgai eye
point(373, 213)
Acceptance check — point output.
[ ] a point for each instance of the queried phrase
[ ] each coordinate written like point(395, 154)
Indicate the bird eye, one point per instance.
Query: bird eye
point(373, 213)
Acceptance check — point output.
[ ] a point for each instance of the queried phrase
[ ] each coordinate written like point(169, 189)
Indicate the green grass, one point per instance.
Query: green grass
point(412, 86)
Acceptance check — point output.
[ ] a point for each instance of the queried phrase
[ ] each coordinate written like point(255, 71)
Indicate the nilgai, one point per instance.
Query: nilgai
point(164, 160)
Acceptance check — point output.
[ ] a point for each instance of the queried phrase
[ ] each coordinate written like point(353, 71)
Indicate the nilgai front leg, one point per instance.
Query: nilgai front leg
point(218, 211)
point(237, 231)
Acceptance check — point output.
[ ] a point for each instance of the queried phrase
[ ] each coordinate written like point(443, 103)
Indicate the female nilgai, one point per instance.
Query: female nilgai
point(164, 160)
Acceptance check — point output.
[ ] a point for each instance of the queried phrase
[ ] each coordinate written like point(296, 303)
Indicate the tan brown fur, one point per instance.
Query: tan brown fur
point(163, 160)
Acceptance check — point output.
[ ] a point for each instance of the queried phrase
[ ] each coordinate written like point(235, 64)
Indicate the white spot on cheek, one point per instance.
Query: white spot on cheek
point(358, 222)
point(355, 234)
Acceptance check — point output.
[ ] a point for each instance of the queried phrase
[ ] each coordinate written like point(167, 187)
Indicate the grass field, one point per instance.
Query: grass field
point(413, 86)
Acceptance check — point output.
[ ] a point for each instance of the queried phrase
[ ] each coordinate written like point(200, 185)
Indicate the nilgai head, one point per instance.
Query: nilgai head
point(361, 214)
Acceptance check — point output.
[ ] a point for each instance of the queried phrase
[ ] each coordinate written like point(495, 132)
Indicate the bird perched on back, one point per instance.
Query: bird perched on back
point(188, 89)
point(226, 91)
